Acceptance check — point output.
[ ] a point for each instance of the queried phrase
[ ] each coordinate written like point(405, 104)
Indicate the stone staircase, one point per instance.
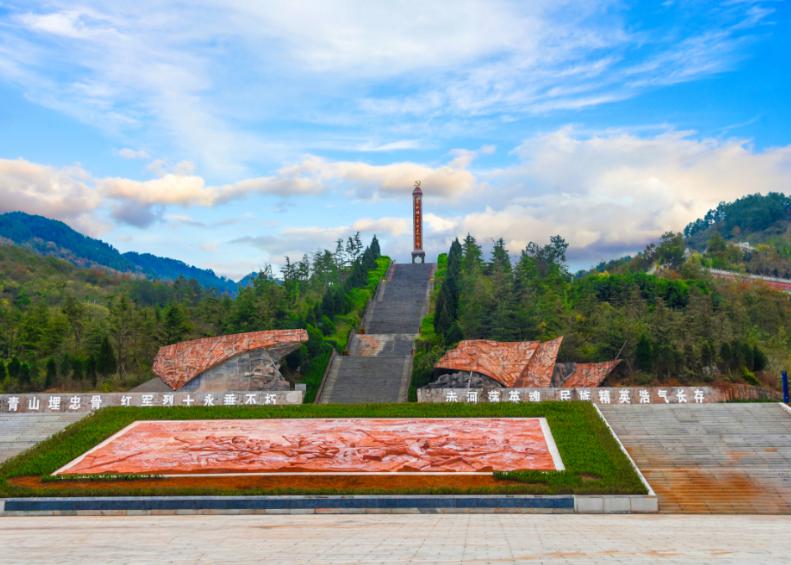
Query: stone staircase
point(21, 431)
point(378, 366)
point(710, 458)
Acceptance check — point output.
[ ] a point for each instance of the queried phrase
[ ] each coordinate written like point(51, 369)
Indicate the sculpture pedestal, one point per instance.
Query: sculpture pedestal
point(419, 254)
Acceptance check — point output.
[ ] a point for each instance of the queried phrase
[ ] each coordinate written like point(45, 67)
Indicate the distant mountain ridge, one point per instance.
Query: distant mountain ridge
point(52, 237)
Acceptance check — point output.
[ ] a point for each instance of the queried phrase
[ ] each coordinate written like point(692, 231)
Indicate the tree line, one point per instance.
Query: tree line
point(677, 325)
point(66, 327)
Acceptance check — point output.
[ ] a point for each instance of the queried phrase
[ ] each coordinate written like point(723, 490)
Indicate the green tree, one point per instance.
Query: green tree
point(75, 312)
point(52, 373)
point(14, 369)
point(472, 256)
point(122, 330)
point(175, 325)
point(105, 361)
point(670, 250)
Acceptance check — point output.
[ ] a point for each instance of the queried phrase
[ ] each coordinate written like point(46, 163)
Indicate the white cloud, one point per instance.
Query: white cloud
point(615, 192)
point(391, 226)
point(160, 72)
point(129, 153)
point(395, 179)
point(295, 241)
point(313, 175)
point(399, 145)
point(63, 193)
point(608, 192)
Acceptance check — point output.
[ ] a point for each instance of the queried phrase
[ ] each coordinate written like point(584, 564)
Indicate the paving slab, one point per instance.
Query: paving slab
point(717, 458)
point(427, 538)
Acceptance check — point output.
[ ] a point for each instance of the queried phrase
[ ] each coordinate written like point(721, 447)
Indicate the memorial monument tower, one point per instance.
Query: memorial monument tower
point(417, 223)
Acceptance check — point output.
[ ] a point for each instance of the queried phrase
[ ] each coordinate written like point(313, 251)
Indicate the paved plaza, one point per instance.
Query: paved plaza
point(471, 538)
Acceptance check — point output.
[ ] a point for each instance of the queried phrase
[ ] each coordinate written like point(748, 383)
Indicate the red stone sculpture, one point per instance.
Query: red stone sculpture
point(589, 374)
point(505, 362)
point(320, 445)
point(179, 363)
point(538, 372)
point(520, 364)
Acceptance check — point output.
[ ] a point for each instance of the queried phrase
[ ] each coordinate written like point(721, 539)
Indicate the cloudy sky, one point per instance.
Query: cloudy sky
point(231, 133)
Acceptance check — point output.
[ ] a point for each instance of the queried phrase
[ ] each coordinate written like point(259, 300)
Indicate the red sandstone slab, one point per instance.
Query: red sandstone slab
point(342, 446)
point(590, 374)
point(538, 373)
point(502, 361)
point(179, 363)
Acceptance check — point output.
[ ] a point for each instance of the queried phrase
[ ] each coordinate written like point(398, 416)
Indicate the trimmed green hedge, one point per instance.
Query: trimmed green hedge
point(594, 461)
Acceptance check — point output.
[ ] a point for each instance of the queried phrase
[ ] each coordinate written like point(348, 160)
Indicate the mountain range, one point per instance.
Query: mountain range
point(52, 237)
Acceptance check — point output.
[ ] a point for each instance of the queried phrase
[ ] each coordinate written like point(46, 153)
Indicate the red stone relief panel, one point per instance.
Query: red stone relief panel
point(179, 363)
point(538, 373)
point(357, 445)
point(590, 374)
point(501, 361)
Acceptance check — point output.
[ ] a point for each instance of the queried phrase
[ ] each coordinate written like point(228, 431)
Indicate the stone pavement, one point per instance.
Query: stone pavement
point(19, 432)
point(442, 539)
point(710, 458)
point(379, 364)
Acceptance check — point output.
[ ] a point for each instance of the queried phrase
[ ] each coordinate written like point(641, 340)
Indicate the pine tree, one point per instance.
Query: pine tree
point(74, 311)
point(90, 370)
point(174, 324)
point(25, 375)
point(644, 354)
point(472, 255)
point(501, 261)
point(52, 373)
point(105, 361)
point(14, 367)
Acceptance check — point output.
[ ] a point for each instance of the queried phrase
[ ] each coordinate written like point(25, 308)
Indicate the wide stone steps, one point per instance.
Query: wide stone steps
point(402, 304)
point(21, 431)
point(379, 361)
point(366, 379)
point(381, 345)
point(713, 458)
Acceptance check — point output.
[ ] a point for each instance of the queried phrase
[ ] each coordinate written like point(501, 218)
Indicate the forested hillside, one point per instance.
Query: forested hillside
point(676, 326)
point(51, 237)
point(750, 235)
point(74, 328)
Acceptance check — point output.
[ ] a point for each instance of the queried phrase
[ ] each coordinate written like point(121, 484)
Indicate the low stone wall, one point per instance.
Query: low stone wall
point(88, 402)
point(601, 395)
point(340, 504)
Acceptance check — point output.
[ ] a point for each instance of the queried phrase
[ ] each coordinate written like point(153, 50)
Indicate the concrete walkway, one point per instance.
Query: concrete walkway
point(22, 431)
point(379, 364)
point(710, 458)
point(488, 538)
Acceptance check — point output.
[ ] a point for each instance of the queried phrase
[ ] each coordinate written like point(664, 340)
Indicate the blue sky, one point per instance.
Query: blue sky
point(230, 133)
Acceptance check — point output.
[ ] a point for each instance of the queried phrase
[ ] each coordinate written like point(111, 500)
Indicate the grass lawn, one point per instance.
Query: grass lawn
point(593, 460)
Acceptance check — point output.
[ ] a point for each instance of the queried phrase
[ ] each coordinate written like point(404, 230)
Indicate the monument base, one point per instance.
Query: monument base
point(420, 254)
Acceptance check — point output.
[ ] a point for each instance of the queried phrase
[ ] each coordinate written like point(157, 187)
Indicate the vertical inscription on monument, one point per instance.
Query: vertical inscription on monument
point(417, 223)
